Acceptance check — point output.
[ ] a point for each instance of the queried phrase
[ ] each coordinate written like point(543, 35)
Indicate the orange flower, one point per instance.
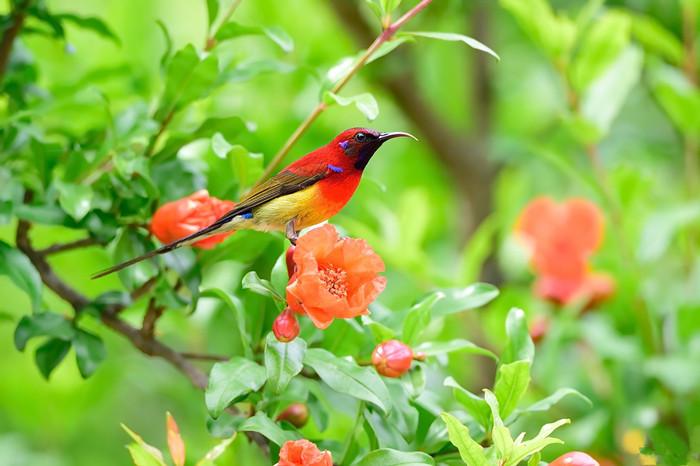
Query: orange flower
point(303, 453)
point(334, 277)
point(562, 238)
point(177, 219)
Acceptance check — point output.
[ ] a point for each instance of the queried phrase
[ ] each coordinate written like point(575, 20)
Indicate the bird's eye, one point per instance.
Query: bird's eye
point(360, 137)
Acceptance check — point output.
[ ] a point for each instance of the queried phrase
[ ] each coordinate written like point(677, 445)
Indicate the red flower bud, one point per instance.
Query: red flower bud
point(574, 458)
point(291, 266)
point(539, 328)
point(392, 358)
point(297, 414)
point(285, 327)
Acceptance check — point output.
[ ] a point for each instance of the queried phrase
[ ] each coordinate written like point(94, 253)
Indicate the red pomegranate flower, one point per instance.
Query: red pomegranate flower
point(562, 238)
point(334, 277)
point(177, 219)
point(303, 453)
point(285, 327)
point(392, 358)
point(574, 458)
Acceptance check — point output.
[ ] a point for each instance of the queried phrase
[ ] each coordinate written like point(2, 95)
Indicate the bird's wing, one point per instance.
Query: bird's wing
point(285, 182)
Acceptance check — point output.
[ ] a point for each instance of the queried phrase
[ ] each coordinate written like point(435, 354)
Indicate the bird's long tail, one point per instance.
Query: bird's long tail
point(206, 232)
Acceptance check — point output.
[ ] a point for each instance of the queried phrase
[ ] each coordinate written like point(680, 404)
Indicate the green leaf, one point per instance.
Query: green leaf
point(679, 98)
point(511, 384)
point(50, 354)
point(90, 23)
point(75, 199)
point(475, 406)
point(668, 446)
point(604, 98)
point(20, 270)
point(546, 403)
point(142, 453)
point(216, 452)
point(42, 324)
point(519, 346)
point(236, 308)
point(380, 331)
point(604, 41)
point(500, 434)
point(522, 450)
point(471, 452)
point(661, 228)
point(131, 243)
point(365, 103)
point(283, 361)
point(230, 381)
point(212, 11)
point(248, 166)
point(655, 38)
point(262, 424)
point(453, 37)
point(347, 377)
point(387, 47)
point(232, 30)
point(389, 457)
point(462, 299)
point(89, 352)
point(457, 345)
point(251, 281)
point(418, 318)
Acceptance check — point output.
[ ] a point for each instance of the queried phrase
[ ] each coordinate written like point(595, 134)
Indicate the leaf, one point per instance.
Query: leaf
point(251, 281)
point(546, 403)
point(679, 98)
point(283, 361)
point(389, 457)
point(475, 406)
point(89, 352)
point(175, 444)
point(248, 166)
point(20, 270)
point(217, 451)
point(131, 243)
point(655, 38)
point(90, 23)
point(262, 424)
point(604, 98)
point(462, 299)
point(500, 434)
point(418, 318)
point(511, 384)
point(442, 347)
point(365, 103)
point(522, 450)
point(602, 44)
point(380, 331)
point(453, 37)
point(347, 377)
point(471, 452)
point(142, 453)
point(232, 30)
point(236, 309)
point(230, 381)
point(212, 11)
point(519, 346)
point(660, 229)
point(389, 46)
point(42, 324)
point(50, 354)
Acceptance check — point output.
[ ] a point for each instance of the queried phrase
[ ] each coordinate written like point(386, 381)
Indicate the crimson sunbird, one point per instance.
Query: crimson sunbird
point(305, 193)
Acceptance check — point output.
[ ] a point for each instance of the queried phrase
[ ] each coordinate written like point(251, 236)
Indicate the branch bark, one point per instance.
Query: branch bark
point(18, 15)
point(63, 247)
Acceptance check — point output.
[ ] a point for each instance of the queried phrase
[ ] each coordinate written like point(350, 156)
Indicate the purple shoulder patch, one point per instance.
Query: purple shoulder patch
point(335, 168)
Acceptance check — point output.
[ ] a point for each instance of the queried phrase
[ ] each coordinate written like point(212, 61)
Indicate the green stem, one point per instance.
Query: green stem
point(385, 36)
point(359, 419)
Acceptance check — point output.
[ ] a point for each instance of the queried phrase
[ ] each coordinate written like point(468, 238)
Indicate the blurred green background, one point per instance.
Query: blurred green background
point(493, 135)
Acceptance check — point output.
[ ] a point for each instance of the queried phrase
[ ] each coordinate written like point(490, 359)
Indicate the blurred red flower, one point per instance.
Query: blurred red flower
point(392, 358)
point(177, 219)
point(334, 277)
point(303, 453)
point(562, 237)
point(574, 458)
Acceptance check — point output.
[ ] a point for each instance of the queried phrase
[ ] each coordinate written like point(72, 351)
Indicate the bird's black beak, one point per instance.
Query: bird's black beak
point(397, 134)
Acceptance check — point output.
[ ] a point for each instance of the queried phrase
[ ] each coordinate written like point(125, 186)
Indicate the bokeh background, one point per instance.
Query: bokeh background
point(441, 212)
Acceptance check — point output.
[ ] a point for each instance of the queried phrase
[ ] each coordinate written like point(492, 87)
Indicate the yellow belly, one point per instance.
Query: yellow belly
point(304, 206)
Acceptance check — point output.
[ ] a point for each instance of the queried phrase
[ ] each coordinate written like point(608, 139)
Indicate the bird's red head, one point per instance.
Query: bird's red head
point(356, 146)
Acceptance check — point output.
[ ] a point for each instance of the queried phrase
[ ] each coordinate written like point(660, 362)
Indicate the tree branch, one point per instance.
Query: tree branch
point(63, 247)
point(18, 15)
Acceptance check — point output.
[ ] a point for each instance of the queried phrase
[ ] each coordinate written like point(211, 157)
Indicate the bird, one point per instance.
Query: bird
point(307, 192)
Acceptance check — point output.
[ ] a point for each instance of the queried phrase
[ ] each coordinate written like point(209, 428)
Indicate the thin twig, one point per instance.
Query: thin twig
point(18, 15)
point(63, 247)
point(383, 37)
point(204, 357)
point(210, 42)
point(153, 313)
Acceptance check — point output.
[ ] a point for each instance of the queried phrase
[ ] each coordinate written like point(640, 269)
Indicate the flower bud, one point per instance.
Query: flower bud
point(392, 358)
point(285, 327)
point(297, 414)
point(291, 266)
point(574, 458)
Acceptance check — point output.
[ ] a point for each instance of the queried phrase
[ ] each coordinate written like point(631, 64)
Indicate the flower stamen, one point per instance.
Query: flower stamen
point(335, 280)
